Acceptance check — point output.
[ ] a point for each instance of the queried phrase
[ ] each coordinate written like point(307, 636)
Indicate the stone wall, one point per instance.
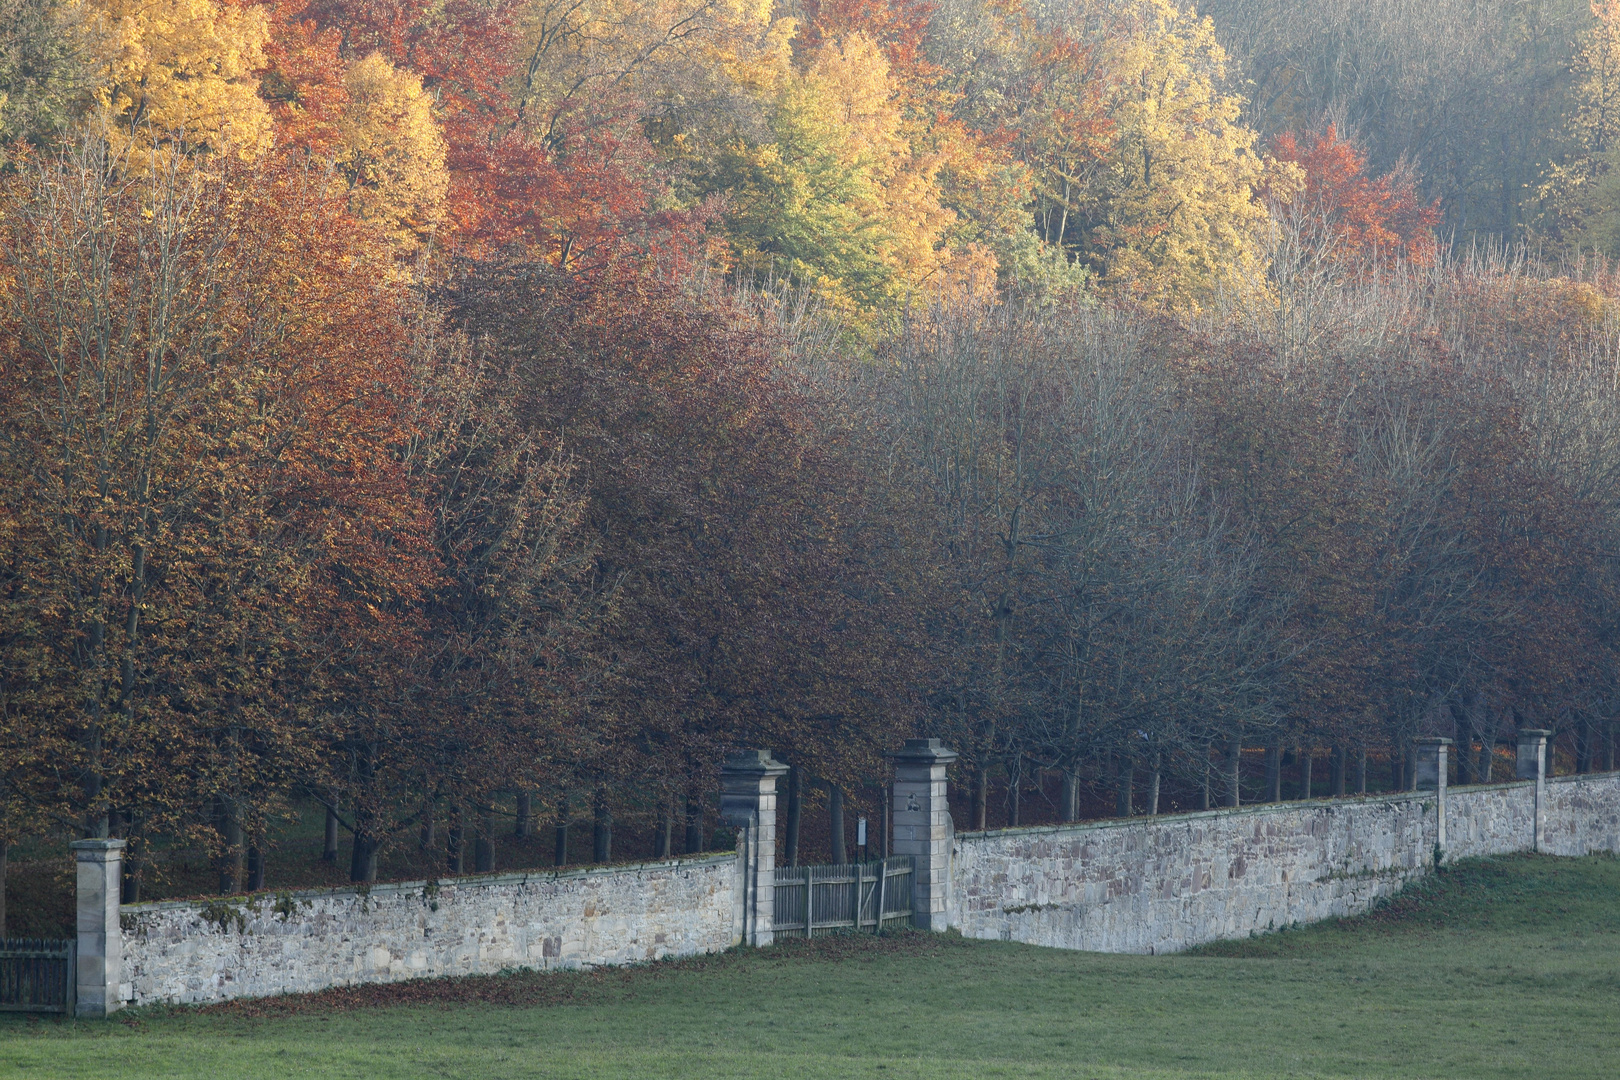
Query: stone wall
point(1155, 885)
point(304, 941)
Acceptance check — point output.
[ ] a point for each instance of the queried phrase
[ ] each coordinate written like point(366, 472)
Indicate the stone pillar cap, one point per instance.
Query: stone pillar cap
point(1531, 731)
point(1434, 740)
point(97, 845)
point(753, 761)
point(924, 750)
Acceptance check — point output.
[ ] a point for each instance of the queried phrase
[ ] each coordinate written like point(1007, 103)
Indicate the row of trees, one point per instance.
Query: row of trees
point(430, 412)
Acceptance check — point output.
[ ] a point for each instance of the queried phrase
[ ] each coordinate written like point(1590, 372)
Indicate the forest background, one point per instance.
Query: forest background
point(440, 418)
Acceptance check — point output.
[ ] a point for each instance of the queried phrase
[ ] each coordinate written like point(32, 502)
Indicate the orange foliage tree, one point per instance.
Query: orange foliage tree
point(1366, 216)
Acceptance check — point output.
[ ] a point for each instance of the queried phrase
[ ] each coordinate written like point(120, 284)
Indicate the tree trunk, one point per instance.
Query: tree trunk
point(1125, 780)
point(329, 842)
point(1153, 782)
point(1361, 770)
point(795, 810)
point(694, 824)
point(1274, 772)
point(523, 826)
point(602, 828)
point(1306, 763)
point(1409, 771)
point(981, 798)
point(835, 821)
point(1608, 749)
point(425, 835)
point(454, 855)
point(1234, 764)
point(1487, 760)
point(1015, 796)
point(484, 841)
point(129, 889)
point(560, 851)
point(1397, 771)
point(1203, 791)
point(363, 858)
point(230, 862)
point(255, 868)
point(1071, 795)
point(1338, 771)
point(664, 830)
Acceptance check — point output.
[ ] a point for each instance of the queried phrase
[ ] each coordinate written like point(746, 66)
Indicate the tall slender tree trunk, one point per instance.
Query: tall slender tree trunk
point(1338, 771)
point(1307, 762)
point(835, 821)
point(1234, 778)
point(230, 863)
point(795, 811)
point(1397, 771)
point(1487, 760)
point(1203, 790)
point(523, 824)
point(1361, 770)
point(329, 840)
point(560, 835)
point(1071, 794)
point(1274, 772)
point(484, 841)
point(1608, 748)
point(602, 828)
point(664, 830)
point(426, 834)
point(455, 858)
point(130, 887)
point(694, 824)
point(1015, 795)
point(1125, 781)
point(981, 798)
point(255, 867)
point(1154, 779)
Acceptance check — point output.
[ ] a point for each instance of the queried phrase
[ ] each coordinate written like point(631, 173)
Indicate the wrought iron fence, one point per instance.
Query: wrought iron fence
point(37, 974)
point(853, 896)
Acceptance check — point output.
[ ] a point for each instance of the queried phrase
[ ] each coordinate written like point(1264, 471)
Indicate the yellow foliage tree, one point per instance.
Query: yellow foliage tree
point(1173, 213)
point(846, 196)
point(392, 151)
point(184, 70)
point(1581, 196)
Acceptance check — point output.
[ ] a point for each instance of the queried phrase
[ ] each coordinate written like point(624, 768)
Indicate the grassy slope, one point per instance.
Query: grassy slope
point(1504, 968)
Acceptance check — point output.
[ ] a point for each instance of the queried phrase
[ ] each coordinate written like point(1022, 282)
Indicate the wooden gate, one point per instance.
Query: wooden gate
point(812, 900)
point(37, 974)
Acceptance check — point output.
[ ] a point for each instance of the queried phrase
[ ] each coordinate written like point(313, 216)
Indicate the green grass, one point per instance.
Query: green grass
point(1500, 968)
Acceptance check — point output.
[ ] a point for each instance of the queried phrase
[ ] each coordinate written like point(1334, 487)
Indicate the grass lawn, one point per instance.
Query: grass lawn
point(1500, 968)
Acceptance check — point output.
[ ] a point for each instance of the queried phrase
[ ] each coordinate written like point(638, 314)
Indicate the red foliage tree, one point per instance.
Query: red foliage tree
point(1369, 215)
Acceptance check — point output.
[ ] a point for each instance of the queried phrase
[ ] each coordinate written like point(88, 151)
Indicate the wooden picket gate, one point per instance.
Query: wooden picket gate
point(854, 896)
point(37, 974)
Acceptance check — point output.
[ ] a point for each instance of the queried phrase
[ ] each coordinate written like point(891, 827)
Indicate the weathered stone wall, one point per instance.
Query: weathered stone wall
point(304, 941)
point(1583, 814)
point(1164, 884)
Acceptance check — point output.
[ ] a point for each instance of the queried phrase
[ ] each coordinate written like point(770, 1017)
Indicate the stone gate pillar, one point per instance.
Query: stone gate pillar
point(1431, 772)
point(748, 801)
point(1532, 765)
point(923, 829)
point(101, 941)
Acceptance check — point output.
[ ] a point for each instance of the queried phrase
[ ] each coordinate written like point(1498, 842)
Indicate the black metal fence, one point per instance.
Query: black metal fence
point(854, 896)
point(37, 974)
